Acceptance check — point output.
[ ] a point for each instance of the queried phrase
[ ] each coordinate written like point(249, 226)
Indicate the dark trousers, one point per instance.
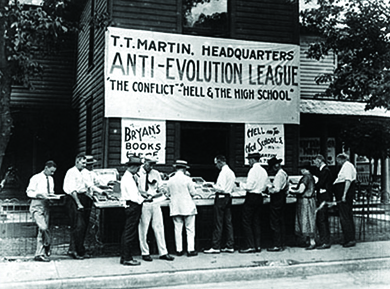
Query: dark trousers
point(345, 210)
point(322, 220)
point(222, 219)
point(79, 221)
point(129, 235)
point(251, 220)
point(277, 208)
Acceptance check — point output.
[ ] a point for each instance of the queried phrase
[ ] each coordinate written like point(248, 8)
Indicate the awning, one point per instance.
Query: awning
point(331, 107)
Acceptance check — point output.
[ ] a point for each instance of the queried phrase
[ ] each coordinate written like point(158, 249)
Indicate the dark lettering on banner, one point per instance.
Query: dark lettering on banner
point(140, 133)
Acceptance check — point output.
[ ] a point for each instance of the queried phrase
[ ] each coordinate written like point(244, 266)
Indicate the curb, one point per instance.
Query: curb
point(256, 272)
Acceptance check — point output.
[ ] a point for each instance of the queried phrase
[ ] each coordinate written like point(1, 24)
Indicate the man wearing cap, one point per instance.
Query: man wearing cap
point(278, 191)
point(39, 188)
point(149, 182)
point(182, 208)
point(222, 207)
point(344, 191)
point(323, 194)
point(78, 204)
point(133, 200)
point(255, 187)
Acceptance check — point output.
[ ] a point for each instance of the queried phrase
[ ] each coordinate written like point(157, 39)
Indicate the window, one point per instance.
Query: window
point(206, 18)
point(200, 143)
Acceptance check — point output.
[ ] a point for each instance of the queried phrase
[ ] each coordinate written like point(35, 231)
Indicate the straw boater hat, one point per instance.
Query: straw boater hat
point(134, 161)
point(273, 161)
point(151, 159)
point(89, 160)
point(181, 164)
point(253, 156)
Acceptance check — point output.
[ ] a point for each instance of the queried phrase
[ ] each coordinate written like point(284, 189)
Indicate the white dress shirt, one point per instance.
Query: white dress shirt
point(153, 175)
point(74, 181)
point(346, 173)
point(38, 185)
point(226, 180)
point(129, 189)
point(280, 181)
point(257, 179)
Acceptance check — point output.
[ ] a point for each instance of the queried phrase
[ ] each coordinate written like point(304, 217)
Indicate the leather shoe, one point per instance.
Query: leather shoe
point(212, 251)
point(76, 256)
point(192, 253)
point(323, 246)
point(311, 247)
point(179, 253)
point(41, 258)
point(275, 249)
point(349, 244)
point(258, 249)
point(166, 257)
point(249, 250)
point(130, 263)
point(147, 258)
point(227, 250)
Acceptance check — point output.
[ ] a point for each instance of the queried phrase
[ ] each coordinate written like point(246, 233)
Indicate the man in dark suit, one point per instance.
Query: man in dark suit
point(324, 194)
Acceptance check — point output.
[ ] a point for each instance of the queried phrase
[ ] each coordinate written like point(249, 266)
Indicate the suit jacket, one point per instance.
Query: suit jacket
point(325, 182)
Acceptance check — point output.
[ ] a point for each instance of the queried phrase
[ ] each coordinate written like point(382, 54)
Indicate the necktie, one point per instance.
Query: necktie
point(147, 182)
point(48, 185)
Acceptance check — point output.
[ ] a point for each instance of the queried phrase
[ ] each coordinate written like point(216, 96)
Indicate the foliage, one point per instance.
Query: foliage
point(358, 31)
point(368, 138)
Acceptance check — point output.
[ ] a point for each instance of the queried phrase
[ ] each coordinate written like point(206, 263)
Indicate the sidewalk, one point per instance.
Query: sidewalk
point(63, 272)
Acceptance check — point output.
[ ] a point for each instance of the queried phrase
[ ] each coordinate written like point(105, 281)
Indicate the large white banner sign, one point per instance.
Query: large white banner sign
point(151, 75)
point(143, 138)
point(268, 140)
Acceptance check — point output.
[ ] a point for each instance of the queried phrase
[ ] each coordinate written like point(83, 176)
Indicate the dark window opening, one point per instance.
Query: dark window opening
point(200, 143)
point(206, 18)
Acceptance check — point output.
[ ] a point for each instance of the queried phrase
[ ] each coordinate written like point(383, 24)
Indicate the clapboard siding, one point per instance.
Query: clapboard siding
point(147, 15)
point(311, 68)
point(53, 89)
point(268, 21)
point(265, 20)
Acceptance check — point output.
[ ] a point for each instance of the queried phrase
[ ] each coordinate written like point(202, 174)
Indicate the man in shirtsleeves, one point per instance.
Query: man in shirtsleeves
point(148, 184)
point(39, 188)
point(255, 187)
point(133, 200)
point(344, 190)
point(278, 192)
point(78, 204)
point(222, 207)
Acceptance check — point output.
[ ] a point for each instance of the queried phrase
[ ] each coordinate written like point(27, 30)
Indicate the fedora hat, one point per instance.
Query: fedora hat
point(133, 161)
point(181, 164)
point(89, 160)
point(253, 156)
point(273, 161)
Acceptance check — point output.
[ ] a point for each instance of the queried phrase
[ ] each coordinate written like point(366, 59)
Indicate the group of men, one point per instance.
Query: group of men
point(141, 188)
point(258, 186)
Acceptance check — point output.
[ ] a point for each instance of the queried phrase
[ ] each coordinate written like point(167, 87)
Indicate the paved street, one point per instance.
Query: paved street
point(374, 279)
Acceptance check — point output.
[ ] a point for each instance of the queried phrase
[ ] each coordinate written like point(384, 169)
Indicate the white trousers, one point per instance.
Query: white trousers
point(151, 213)
point(189, 222)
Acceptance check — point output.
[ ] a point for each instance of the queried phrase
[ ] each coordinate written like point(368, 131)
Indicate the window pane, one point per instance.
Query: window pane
point(206, 17)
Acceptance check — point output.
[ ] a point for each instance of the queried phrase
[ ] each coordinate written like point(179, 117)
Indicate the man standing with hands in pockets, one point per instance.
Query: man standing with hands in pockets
point(222, 207)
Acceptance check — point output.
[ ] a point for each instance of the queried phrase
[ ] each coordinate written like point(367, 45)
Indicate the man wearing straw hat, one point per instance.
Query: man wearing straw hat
point(133, 200)
point(182, 208)
point(149, 182)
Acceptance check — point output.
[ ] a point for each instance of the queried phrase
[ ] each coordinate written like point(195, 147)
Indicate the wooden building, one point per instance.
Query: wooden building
point(264, 23)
